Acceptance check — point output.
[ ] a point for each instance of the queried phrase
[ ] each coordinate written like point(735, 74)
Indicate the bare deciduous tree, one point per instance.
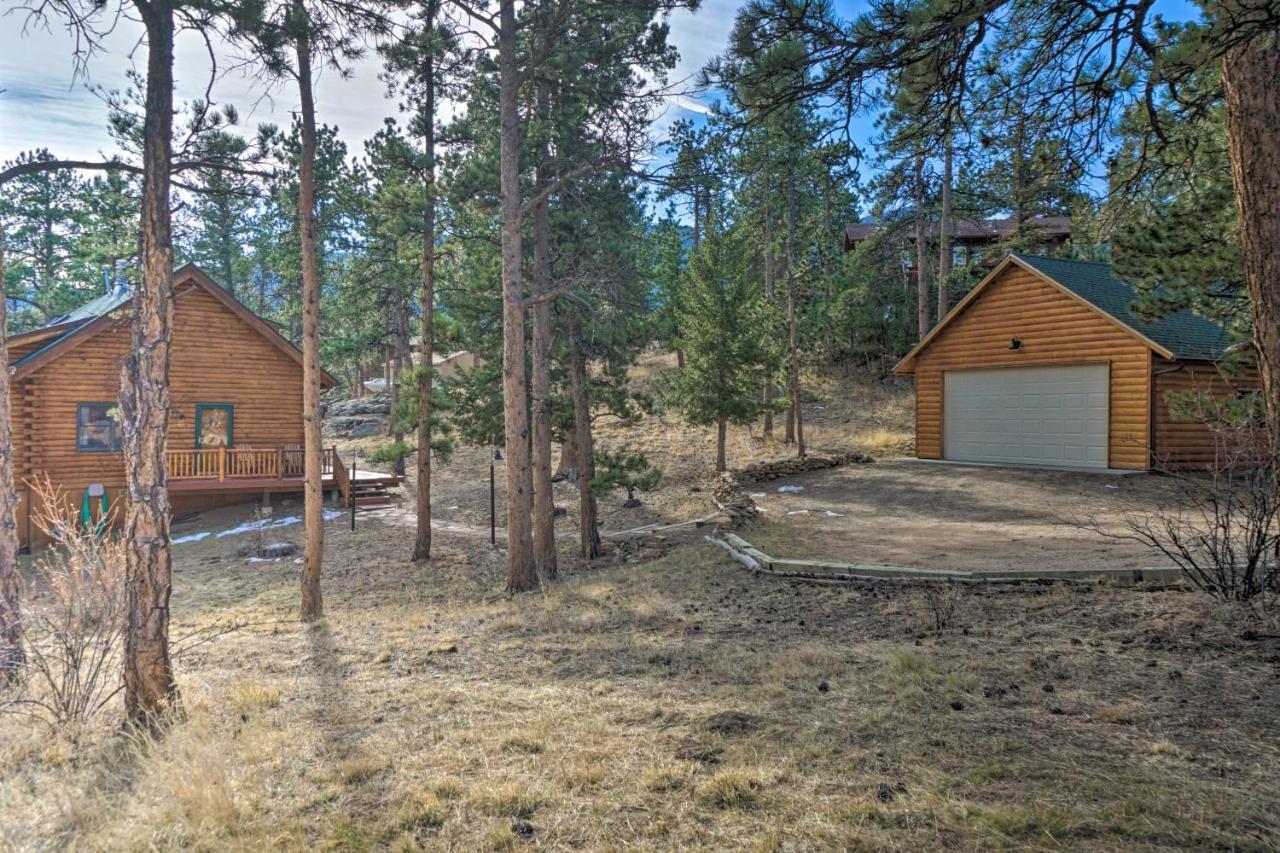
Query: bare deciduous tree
point(1223, 530)
point(74, 614)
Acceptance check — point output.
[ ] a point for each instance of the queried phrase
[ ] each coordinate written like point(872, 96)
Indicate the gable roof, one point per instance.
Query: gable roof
point(96, 315)
point(1181, 336)
point(1187, 335)
point(963, 228)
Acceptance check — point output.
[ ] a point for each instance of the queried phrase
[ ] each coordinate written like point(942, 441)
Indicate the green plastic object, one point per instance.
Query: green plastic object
point(99, 491)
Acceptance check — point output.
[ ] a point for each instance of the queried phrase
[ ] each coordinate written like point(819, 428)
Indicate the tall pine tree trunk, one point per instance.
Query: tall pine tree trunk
point(944, 228)
point(1018, 179)
point(11, 655)
point(769, 296)
point(149, 687)
point(544, 527)
point(793, 340)
point(922, 249)
point(313, 487)
point(521, 567)
point(396, 368)
point(1250, 73)
point(584, 446)
point(404, 361)
point(427, 307)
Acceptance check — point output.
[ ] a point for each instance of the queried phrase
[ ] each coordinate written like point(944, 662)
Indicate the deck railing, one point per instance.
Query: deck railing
point(341, 477)
point(243, 463)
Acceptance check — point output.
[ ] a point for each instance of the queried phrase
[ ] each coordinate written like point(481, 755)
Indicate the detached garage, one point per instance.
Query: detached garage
point(1043, 364)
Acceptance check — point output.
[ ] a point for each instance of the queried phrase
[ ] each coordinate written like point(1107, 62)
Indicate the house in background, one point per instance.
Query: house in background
point(1044, 363)
point(446, 364)
point(235, 421)
point(974, 242)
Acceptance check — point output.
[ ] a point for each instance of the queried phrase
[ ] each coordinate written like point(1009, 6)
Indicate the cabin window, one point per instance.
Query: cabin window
point(97, 427)
point(214, 425)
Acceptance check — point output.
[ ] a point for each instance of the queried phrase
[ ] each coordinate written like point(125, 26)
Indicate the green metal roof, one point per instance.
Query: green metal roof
point(1185, 334)
point(95, 308)
point(79, 318)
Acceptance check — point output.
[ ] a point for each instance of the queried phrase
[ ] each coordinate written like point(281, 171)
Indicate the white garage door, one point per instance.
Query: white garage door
point(1027, 415)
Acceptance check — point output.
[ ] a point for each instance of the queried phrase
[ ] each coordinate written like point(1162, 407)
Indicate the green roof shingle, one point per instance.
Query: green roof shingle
point(1185, 334)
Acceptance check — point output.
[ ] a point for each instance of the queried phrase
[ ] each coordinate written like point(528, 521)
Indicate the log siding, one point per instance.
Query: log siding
point(1054, 329)
point(1180, 440)
point(216, 356)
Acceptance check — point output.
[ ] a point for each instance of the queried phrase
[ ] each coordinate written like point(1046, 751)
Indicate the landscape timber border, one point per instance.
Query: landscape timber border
point(822, 571)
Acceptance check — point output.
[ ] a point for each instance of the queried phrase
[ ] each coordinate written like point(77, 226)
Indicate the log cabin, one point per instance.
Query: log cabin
point(974, 242)
point(235, 419)
point(1044, 363)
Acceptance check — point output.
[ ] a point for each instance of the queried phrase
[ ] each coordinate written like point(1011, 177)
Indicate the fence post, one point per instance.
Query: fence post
point(222, 463)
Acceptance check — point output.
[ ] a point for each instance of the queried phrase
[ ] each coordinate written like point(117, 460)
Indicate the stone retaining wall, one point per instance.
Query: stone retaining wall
point(778, 469)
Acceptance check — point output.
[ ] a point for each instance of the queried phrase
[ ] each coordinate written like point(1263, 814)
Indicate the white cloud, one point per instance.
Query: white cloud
point(689, 104)
point(42, 104)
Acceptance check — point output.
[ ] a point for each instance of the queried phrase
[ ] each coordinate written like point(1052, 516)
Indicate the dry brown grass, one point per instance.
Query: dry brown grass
point(673, 705)
point(679, 704)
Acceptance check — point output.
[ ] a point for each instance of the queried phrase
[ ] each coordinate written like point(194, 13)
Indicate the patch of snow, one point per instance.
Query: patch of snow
point(272, 523)
point(191, 537)
point(798, 512)
point(790, 490)
point(263, 560)
point(757, 494)
point(1111, 486)
point(831, 514)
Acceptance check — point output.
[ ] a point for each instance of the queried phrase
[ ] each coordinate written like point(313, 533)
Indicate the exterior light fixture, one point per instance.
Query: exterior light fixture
point(1016, 343)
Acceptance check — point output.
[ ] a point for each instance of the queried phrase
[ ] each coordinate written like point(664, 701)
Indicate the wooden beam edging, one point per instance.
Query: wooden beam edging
point(659, 526)
point(759, 562)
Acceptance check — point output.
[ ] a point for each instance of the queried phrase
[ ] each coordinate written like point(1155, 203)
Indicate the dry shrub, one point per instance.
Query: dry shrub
point(73, 617)
point(939, 602)
point(1223, 530)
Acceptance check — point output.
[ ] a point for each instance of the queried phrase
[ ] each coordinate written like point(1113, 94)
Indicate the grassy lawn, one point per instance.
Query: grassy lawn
point(675, 704)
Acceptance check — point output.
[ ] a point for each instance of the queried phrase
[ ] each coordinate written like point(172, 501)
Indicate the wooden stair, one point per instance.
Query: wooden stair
point(370, 494)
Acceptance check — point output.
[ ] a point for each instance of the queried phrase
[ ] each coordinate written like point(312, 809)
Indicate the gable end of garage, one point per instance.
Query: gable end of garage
point(1059, 337)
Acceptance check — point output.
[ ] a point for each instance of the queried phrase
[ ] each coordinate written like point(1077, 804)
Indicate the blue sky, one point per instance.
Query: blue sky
point(43, 105)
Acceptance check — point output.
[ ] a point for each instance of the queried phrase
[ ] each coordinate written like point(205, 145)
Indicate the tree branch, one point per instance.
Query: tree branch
point(35, 167)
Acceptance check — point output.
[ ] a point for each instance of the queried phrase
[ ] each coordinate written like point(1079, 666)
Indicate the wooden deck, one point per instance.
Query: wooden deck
point(254, 470)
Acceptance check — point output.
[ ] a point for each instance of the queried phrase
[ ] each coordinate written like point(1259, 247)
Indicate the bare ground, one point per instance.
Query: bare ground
point(926, 515)
point(682, 703)
point(677, 704)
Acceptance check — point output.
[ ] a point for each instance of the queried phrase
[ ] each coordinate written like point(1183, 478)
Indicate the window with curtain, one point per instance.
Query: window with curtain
point(97, 427)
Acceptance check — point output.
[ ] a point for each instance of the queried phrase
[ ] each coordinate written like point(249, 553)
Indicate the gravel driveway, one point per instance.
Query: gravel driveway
point(932, 515)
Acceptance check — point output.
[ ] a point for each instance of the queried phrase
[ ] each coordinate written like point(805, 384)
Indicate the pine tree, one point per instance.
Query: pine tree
point(42, 214)
point(221, 211)
point(724, 322)
point(108, 239)
point(624, 469)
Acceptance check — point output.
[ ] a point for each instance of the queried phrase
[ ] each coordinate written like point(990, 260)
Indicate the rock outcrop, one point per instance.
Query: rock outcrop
point(357, 417)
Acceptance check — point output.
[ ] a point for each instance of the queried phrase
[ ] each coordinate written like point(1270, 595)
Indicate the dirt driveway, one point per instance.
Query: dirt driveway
point(927, 515)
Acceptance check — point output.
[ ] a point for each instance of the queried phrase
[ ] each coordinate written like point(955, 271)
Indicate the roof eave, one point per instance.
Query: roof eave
point(906, 366)
point(1160, 349)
